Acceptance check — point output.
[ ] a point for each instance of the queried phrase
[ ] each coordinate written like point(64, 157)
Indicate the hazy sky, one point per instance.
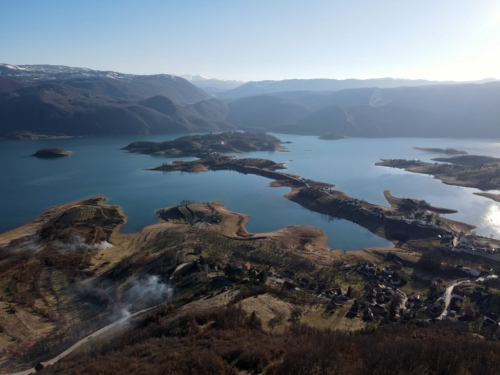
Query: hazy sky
point(259, 39)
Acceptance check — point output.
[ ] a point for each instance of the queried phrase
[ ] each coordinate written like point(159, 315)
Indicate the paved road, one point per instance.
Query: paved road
point(89, 337)
point(177, 269)
point(98, 332)
point(447, 297)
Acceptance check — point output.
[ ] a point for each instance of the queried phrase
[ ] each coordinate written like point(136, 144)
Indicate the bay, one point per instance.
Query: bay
point(98, 166)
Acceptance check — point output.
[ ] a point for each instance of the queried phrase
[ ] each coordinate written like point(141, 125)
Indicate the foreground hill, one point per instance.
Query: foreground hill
point(61, 109)
point(197, 286)
point(120, 85)
point(469, 110)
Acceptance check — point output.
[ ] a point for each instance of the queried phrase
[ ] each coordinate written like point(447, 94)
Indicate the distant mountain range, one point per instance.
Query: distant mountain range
point(212, 85)
point(46, 99)
point(76, 101)
point(268, 87)
point(466, 110)
point(127, 86)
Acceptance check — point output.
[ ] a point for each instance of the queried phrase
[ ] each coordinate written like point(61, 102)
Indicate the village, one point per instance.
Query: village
point(471, 295)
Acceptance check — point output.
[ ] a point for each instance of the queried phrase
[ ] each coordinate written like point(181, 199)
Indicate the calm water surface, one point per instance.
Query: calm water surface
point(98, 166)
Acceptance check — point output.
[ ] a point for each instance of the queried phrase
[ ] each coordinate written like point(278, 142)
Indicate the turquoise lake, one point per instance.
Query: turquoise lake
point(98, 166)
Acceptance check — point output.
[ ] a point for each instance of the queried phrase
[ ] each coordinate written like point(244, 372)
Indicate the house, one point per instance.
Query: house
point(342, 298)
point(246, 266)
point(469, 312)
point(387, 271)
point(341, 292)
point(417, 304)
point(475, 272)
point(289, 286)
point(368, 314)
point(395, 280)
point(458, 294)
point(464, 240)
point(456, 304)
point(271, 271)
point(484, 268)
point(413, 296)
point(380, 310)
point(490, 318)
point(235, 264)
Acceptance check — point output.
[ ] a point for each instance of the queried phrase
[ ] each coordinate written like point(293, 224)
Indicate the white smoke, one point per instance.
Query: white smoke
point(102, 246)
point(149, 288)
point(143, 292)
point(78, 243)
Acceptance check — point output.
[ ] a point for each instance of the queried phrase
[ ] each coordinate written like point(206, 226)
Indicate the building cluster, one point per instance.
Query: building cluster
point(245, 266)
point(470, 244)
point(486, 305)
point(387, 275)
point(475, 271)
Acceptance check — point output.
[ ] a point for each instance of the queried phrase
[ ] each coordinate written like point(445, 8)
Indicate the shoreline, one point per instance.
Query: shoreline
point(482, 176)
point(395, 223)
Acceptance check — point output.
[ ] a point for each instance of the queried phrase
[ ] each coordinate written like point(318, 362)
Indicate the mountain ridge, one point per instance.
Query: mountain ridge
point(254, 88)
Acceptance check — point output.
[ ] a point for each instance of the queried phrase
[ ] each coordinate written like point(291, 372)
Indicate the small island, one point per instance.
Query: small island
point(208, 145)
point(51, 152)
point(447, 151)
point(476, 171)
point(332, 136)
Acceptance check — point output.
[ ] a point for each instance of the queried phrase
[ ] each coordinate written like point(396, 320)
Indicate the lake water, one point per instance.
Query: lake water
point(98, 166)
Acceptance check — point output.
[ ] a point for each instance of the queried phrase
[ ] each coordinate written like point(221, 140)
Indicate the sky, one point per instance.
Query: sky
point(259, 39)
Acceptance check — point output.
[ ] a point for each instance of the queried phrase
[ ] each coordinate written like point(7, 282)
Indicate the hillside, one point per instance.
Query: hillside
point(7, 84)
point(120, 85)
point(205, 296)
point(64, 110)
point(467, 110)
point(264, 112)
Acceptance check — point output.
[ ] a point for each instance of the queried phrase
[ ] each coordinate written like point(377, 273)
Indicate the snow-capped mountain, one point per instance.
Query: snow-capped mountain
point(212, 85)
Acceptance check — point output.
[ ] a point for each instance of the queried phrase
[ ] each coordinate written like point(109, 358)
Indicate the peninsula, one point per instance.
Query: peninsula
point(447, 151)
point(481, 172)
point(206, 145)
point(405, 219)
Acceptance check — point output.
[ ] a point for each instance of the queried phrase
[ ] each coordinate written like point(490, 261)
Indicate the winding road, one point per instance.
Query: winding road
point(98, 332)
